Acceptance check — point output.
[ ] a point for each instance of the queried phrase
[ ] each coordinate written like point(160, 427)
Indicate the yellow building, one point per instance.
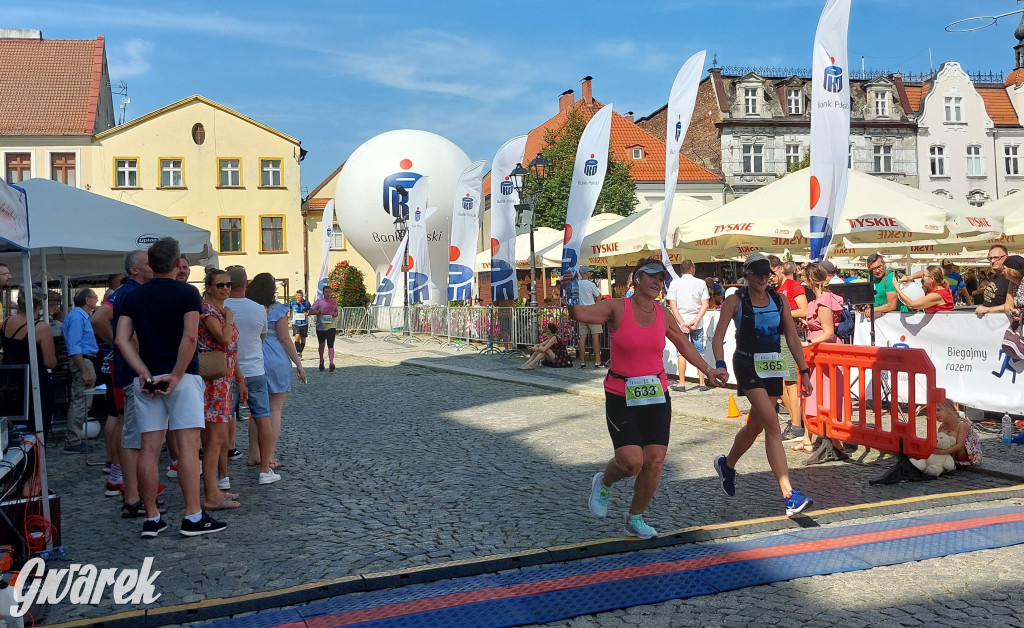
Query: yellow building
point(212, 167)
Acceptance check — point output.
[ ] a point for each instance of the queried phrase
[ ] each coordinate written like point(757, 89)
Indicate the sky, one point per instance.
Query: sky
point(334, 74)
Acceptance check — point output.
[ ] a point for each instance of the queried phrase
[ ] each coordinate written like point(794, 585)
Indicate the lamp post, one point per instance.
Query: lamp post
point(527, 208)
point(402, 228)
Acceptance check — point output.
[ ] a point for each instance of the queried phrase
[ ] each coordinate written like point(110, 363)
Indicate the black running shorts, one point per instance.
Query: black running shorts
point(327, 334)
point(637, 425)
point(748, 379)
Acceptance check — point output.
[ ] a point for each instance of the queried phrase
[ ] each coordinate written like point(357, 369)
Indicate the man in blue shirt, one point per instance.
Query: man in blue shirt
point(82, 347)
point(300, 327)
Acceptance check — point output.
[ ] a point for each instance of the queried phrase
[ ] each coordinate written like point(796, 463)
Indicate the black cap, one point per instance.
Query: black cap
point(757, 264)
point(1015, 262)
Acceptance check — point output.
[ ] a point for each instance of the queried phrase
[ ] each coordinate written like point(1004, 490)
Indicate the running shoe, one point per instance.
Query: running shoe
point(269, 477)
point(636, 526)
point(205, 525)
point(796, 503)
point(677, 388)
point(321, 367)
point(331, 368)
point(792, 433)
point(599, 496)
point(152, 528)
point(234, 454)
point(113, 490)
point(727, 474)
point(224, 483)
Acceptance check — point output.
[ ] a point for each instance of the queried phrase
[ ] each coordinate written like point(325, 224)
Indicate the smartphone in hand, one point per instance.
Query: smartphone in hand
point(152, 387)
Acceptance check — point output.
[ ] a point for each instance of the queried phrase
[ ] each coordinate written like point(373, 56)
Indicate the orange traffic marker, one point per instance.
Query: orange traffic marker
point(734, 411)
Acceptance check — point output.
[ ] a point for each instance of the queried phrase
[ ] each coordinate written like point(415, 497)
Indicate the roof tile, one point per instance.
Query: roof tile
point(998, 105)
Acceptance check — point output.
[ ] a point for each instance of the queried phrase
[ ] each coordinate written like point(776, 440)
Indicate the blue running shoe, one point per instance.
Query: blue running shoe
point(599, 496)
point(796, 503)
point(636, 526)
point(727, 474)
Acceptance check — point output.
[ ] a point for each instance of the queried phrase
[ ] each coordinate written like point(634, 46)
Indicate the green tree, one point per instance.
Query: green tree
point(618, 195)
point(347, 282)
point(803, 163)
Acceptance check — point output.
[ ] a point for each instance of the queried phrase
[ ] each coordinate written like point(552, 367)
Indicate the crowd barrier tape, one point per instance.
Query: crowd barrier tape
point(845, 377)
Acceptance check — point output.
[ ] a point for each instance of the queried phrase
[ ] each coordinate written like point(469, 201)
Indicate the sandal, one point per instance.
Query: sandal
point(807, 449)
point(525, 368)
point(136, 510)
point(227, 504)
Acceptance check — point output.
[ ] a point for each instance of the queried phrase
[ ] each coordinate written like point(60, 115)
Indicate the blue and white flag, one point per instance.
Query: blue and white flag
point(328, 237)
point(386, 290)
point(465, 233)
point(418, 264)
point(504, 199)
point(587, 179)
point(830, 125)
point(680, 109)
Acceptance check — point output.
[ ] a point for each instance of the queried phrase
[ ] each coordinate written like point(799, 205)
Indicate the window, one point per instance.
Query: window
point(937, 158)
point(753, 158)
point(750, 100)
point(883, 158)
point(230, 173)
point(62, 168)
point(337, 238)
point(17, 167)
point(198, 134)
point(638, 153)
point(271, 233)
point(126, 173)
point(270, 173)
point(794, 101)
point(954, 109)
point(1012, 160)
point(171, 173)
point(975, 167)
point(792, 155)
point(849, 156)
point(230, 235)
point(881, 104)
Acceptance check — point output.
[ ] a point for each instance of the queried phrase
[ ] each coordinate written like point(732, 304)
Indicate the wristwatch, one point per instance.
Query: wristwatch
point(805, 371)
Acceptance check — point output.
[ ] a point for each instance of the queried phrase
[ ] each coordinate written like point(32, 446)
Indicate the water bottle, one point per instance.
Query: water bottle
point(1007, 428)
point(6, 602)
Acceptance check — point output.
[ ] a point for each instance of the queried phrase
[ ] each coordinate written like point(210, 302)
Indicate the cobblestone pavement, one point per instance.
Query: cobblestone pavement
point(401, 458)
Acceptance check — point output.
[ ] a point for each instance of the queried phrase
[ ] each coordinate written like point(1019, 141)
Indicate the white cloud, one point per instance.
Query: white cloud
point(129, 59)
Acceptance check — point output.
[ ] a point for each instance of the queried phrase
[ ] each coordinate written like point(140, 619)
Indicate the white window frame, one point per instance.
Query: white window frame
point(794, 101)
point(881, 104)
point(975, 161)
point(1011, 159)
point(750, 98)
point(953, 108)
point(752, 161)
point(793, 155)
point(937, 161)
point(267, 169)
point(882, 158)
point(638, 153)
point(221, 170)
point(127, 171)
point(338, 238)
point(49, 164)
point(170, 169)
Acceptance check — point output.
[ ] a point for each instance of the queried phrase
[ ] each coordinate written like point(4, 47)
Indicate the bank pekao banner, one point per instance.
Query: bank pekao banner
point(830, 124)
point(13, 215)
point(503, 220)
point(965, 349)
point(680, 109)
point(421, 282)
point(587, 178)
point(328, 237)
point(465, 233)
point(386, 291)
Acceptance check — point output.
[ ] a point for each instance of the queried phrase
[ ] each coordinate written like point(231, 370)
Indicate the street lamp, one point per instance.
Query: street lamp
point(401, 229)
point(527, 207)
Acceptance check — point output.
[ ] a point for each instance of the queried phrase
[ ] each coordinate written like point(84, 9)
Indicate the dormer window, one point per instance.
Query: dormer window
point(638, 153)
point(794, 101)
point(750, 101)
point(881, 104)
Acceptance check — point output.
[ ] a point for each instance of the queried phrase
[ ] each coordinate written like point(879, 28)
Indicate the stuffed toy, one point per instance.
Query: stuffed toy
point(935, 465)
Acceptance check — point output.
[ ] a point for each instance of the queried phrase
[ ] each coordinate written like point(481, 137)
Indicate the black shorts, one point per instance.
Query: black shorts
point(637, 425)
point(300, 330)
point(748, 379)
point(328, 335)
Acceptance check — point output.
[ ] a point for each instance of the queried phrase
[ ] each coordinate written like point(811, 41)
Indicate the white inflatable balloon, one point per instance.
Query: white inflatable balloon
point(368, 202)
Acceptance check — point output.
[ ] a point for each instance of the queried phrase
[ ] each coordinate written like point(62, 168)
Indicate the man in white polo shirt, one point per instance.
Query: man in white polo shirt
point(589, 294)
point(688, 299)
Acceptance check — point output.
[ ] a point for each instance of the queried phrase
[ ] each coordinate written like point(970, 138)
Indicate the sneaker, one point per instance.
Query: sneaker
point(269, 478)
point(113, 489)
point(152, 528)
point(727, 475)
point(583, 365)
point(321, 367)
point(224, 483)
point(234, 454)
point(172, 471)
point(206, 525)
point(602, 365)
point(796, 503)
point(703, 388)
point(331, 369)
point(792, 433)
point(636, 526)
point(599, 496)
point(677, 388)
point(106, 468)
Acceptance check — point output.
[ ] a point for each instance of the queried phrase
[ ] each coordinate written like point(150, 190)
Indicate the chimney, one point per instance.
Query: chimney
point(587, 94)
point(21, 33)
point(566, 100)
point(628, 116)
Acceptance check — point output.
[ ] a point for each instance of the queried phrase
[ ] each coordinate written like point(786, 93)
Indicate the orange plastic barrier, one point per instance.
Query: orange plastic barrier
point(843, 377)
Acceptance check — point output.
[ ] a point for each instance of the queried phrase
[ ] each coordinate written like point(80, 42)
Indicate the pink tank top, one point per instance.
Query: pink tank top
point(636, 350)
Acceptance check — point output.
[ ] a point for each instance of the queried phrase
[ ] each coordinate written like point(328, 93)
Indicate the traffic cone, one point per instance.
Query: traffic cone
point(734, 411)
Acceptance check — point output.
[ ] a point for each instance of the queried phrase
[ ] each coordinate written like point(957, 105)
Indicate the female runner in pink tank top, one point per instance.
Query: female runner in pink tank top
point(637, 404)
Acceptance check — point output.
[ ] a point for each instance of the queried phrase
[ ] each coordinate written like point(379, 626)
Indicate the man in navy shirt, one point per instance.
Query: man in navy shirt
point(169, 393)
point(298, 309)
point(82, 348)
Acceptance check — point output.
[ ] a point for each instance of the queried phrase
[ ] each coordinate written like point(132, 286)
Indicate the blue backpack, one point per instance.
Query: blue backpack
point(846, 324)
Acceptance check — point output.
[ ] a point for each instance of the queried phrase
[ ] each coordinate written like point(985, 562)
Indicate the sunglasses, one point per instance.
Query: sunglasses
point(224, 284)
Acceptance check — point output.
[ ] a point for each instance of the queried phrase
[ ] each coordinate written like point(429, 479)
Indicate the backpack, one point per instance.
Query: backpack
point(746, 334)
point(846, 324)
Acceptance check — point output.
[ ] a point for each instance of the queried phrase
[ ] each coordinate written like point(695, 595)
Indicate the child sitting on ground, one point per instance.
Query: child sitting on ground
point(966, 451)
point(551, 350)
